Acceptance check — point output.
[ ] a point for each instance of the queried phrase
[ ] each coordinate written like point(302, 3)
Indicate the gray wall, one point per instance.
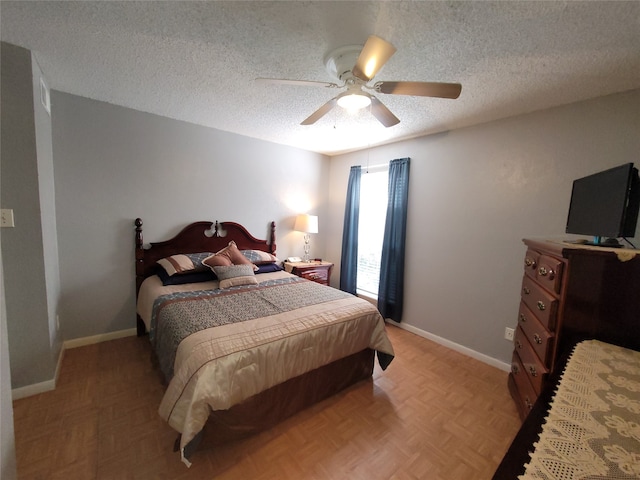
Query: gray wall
point(29, 250)
point(113, 164)
point(46, 190)
point(475, 193)
point(7, 438)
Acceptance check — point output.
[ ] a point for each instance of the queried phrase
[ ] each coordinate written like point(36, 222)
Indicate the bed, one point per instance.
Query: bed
point(242, 345)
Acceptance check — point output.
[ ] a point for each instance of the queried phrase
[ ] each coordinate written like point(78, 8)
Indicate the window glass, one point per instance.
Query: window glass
point(373, 209)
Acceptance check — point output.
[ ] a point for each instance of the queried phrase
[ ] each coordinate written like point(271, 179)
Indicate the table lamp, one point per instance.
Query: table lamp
point(307, 224)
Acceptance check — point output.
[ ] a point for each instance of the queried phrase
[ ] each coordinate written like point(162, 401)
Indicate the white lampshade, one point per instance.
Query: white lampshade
point(306, 223)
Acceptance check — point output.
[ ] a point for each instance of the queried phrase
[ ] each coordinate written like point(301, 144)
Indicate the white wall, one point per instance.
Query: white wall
point(474, 194)
point(113, 164)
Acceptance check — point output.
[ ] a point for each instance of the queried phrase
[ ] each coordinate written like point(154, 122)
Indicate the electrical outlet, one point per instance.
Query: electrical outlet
point(508, 333)
point(6, 217)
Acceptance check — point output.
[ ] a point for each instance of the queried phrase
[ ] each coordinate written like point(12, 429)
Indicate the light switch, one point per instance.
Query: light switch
point(6, 217)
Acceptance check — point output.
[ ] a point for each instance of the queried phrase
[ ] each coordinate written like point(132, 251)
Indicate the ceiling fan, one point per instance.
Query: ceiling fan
point(355, 66)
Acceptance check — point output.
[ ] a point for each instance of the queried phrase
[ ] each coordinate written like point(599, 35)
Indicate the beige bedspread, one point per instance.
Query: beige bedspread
point(219, 367)
point(592, 430)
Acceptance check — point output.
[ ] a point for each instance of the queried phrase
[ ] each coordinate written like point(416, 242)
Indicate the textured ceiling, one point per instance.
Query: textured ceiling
point(197, 61)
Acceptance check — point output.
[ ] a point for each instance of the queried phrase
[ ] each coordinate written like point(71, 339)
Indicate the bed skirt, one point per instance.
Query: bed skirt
point(270, 407)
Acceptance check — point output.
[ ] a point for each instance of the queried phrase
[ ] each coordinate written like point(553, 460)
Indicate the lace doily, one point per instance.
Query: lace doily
point(592, 430)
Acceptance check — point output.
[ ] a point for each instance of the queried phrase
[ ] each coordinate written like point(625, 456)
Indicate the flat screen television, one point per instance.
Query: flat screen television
point(605, 204)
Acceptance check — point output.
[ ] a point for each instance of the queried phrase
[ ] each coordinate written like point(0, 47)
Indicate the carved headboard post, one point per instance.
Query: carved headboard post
point(139, 254)
point(139, 271)
point(273, 238)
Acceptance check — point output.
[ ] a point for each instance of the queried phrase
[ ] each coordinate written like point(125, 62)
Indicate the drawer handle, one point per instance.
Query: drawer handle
point(532, 371)
point(543, 272)
point(523, 318)
point(541, 306)
point(529, 263)
point(526, 290)
point(313, 276)
point(518, 344)
point(514, 369)
point(537, 338)
point(528, 403)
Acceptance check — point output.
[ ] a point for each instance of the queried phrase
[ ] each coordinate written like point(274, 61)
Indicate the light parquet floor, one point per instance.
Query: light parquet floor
point(433, 414)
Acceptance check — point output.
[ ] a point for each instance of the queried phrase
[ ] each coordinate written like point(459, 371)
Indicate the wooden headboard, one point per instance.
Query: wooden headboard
point(194, 238)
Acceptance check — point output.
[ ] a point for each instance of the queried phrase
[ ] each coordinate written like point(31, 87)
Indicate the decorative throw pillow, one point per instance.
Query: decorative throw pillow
point(232, 253)
point(258, 257)
point(237, 281)
point(216, 261)
point(234, 275)
point(183, 263)
point(176, 264)
point(188, 277)
point(268, 267)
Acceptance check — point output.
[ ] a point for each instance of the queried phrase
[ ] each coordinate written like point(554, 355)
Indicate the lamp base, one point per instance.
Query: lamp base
point(307, 247)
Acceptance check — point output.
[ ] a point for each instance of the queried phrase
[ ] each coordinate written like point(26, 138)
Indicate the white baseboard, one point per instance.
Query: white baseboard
point(48, 385)
point(58, 365)
point(34, 389)
point(103, 337)
point(454, 346)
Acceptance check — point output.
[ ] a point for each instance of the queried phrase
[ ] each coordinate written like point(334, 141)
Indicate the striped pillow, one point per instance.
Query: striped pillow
point(183, 263)
point(258, 257)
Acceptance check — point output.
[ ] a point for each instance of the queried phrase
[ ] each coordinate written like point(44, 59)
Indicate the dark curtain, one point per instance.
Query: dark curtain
point(391, 288)
point(349, 259)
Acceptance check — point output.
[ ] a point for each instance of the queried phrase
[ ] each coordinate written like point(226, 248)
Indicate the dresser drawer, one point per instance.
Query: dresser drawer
point(539, 337)
point(531, 263)
point(526, 393)
point(549, 273)
point(320, 275)
point(541, 303)
point(534, 369)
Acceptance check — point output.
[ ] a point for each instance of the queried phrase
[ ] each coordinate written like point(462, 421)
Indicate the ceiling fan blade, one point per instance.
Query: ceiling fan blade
point(373, 56)
point(321, 112)
point(303, 83)
point(382, 113)
point(420, 89)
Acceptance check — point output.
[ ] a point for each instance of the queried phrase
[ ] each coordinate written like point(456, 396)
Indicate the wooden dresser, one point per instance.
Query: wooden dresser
point(570, 292)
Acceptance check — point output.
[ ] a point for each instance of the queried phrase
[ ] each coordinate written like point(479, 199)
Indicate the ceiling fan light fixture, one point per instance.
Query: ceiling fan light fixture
point(354, 101)
point(355, 66)
point(371, 67)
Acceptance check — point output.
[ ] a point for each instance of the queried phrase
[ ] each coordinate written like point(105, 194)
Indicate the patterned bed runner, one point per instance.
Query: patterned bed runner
point(592, 430)
point(178, 315)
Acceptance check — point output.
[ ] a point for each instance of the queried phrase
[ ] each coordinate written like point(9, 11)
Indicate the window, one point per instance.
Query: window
point(373, 208)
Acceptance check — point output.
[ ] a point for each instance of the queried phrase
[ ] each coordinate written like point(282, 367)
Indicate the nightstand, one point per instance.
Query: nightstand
point(319, 272)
